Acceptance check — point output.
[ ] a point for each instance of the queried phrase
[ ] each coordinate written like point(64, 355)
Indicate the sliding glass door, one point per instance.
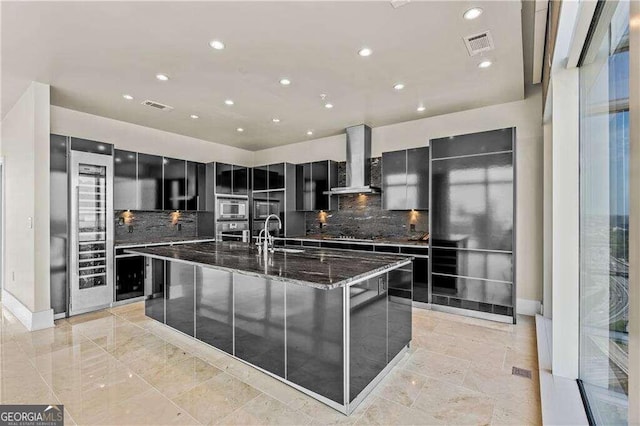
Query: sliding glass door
point(604, 215)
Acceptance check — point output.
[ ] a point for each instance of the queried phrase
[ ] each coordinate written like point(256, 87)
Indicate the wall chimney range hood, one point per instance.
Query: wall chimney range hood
point(358, 163)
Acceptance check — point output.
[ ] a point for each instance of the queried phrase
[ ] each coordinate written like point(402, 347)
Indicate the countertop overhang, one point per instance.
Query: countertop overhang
point(320, 268)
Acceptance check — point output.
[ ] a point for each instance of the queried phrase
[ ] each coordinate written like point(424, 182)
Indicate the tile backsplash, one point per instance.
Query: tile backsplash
point(139, 224)
point(362, 216)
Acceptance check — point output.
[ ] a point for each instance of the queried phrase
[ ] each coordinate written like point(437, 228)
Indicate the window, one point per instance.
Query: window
point(604, 215)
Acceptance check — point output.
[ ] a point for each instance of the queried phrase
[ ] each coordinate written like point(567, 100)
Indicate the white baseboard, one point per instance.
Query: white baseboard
point(31, 320)
point(528, 307)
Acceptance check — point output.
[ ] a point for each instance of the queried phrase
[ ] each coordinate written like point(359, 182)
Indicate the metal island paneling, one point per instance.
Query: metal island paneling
point(329, 323)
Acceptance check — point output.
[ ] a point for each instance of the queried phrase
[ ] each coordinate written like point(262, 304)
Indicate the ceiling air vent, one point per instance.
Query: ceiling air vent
point(479, 43)
point(157, 105)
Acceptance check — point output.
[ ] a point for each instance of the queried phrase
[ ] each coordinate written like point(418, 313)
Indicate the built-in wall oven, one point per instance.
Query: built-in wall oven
point(232, 218)
point(262, 208)
point(232, 208)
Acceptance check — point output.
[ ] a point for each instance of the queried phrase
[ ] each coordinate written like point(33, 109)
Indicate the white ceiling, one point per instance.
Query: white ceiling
point(93, 52)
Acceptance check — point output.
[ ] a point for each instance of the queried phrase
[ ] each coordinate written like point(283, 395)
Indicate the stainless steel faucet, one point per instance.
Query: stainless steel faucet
point(268, 239)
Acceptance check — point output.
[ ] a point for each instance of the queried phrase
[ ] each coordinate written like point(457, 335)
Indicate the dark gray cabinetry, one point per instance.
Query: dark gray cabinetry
point(130, 277)
point(125, 180)
point(231, 179)
point(472, 224)
point(405, 179)
point(399, 310)
point(214, 308)
point(175, 176)
point(269, 177)
point(312, 180)
point(315, 358)
point(154, 305)
point(259, 322)
point(150, 182)
point(179, 296)
point(368, 306)
point(196, 186)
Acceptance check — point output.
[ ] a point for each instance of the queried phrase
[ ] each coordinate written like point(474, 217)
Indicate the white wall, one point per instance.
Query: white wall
point(25, 143)
point(525, 115)
point(138, 138)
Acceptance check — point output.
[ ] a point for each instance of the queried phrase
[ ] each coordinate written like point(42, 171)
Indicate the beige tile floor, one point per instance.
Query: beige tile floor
point(118, 367)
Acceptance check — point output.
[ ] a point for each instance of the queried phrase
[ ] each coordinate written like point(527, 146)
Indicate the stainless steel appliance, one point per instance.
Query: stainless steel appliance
point(232, 208)
point(232, 230)
point(91, 231)
point(262, 208)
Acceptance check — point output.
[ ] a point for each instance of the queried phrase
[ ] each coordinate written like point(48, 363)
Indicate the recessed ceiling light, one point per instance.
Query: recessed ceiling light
point(162, 77)
point(328, 105)
point(240, 129)
point(309, 132)
point(127, 97)
point(420, 108)
point(365, 51)
point(472, 13)
point(398, 86)
point(485, 64)
point(216, 44)
point(275, 120)
point(195, 117)
point(285, 81)
point(229, 102)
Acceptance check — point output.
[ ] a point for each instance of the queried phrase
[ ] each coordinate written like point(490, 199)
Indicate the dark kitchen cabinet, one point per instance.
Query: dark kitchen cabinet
point(196, 186)
point(214, 308)
point(223, 178)
point(125, 180)
point(154, 304)
point(175, 176)
point(268, 177)
point(150, 183)
point(130, 277)
point(260, 178)
point(312, 180)
point(405, 179)
point(240, 180)
point(180, 297)
point(232, 179)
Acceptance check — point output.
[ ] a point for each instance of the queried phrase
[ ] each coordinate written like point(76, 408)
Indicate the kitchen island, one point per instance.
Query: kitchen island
point(330, 323)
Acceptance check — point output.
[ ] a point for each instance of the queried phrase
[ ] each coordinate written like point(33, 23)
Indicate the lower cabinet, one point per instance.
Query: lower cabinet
point(154, 305)
point(421, 279)
point(214, 308)
point(130, 277)
point(179, 297)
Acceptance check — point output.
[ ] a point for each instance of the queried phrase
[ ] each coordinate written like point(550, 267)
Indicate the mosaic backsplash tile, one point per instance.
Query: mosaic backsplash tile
point(137, 224)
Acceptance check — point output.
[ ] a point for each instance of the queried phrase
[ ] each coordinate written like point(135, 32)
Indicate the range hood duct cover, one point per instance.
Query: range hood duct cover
point(358, 163)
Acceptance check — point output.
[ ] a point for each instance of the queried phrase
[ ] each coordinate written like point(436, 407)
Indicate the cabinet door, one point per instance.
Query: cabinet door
point(240, 181)
point(214, 308)
point(418, 178)
point(180, 297)
point(149, 182)
point(260, 178)
point(154, 305)
point(201, 186)
point(394, 180)
point(276, 176)
point(223, 178)
point(421, 279)
point(320, 175)
point(125, 180)
point(192, 186)
point(175, 176)
point(304, 187)
point(130, 276)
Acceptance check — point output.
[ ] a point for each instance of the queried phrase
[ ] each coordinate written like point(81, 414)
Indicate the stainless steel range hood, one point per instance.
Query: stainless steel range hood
point(358, 163)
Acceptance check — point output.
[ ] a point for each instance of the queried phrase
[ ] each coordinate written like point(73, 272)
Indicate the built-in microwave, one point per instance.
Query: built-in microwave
point(228, 208)
point(263, 208)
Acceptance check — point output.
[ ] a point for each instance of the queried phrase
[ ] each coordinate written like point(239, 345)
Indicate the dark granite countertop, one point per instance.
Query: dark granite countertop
point(320, 268)
point(375, 241)
point(154, 241)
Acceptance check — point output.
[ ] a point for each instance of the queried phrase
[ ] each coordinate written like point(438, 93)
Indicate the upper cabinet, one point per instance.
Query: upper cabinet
point(125, 180)
point(405, 179)
point(312, 180)
point(149, 182)
point(153, 182)
point(231, 179)
point(268, 177)
point(174, 183)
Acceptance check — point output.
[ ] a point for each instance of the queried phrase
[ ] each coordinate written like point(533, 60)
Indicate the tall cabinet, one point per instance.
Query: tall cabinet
point(472, 223)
